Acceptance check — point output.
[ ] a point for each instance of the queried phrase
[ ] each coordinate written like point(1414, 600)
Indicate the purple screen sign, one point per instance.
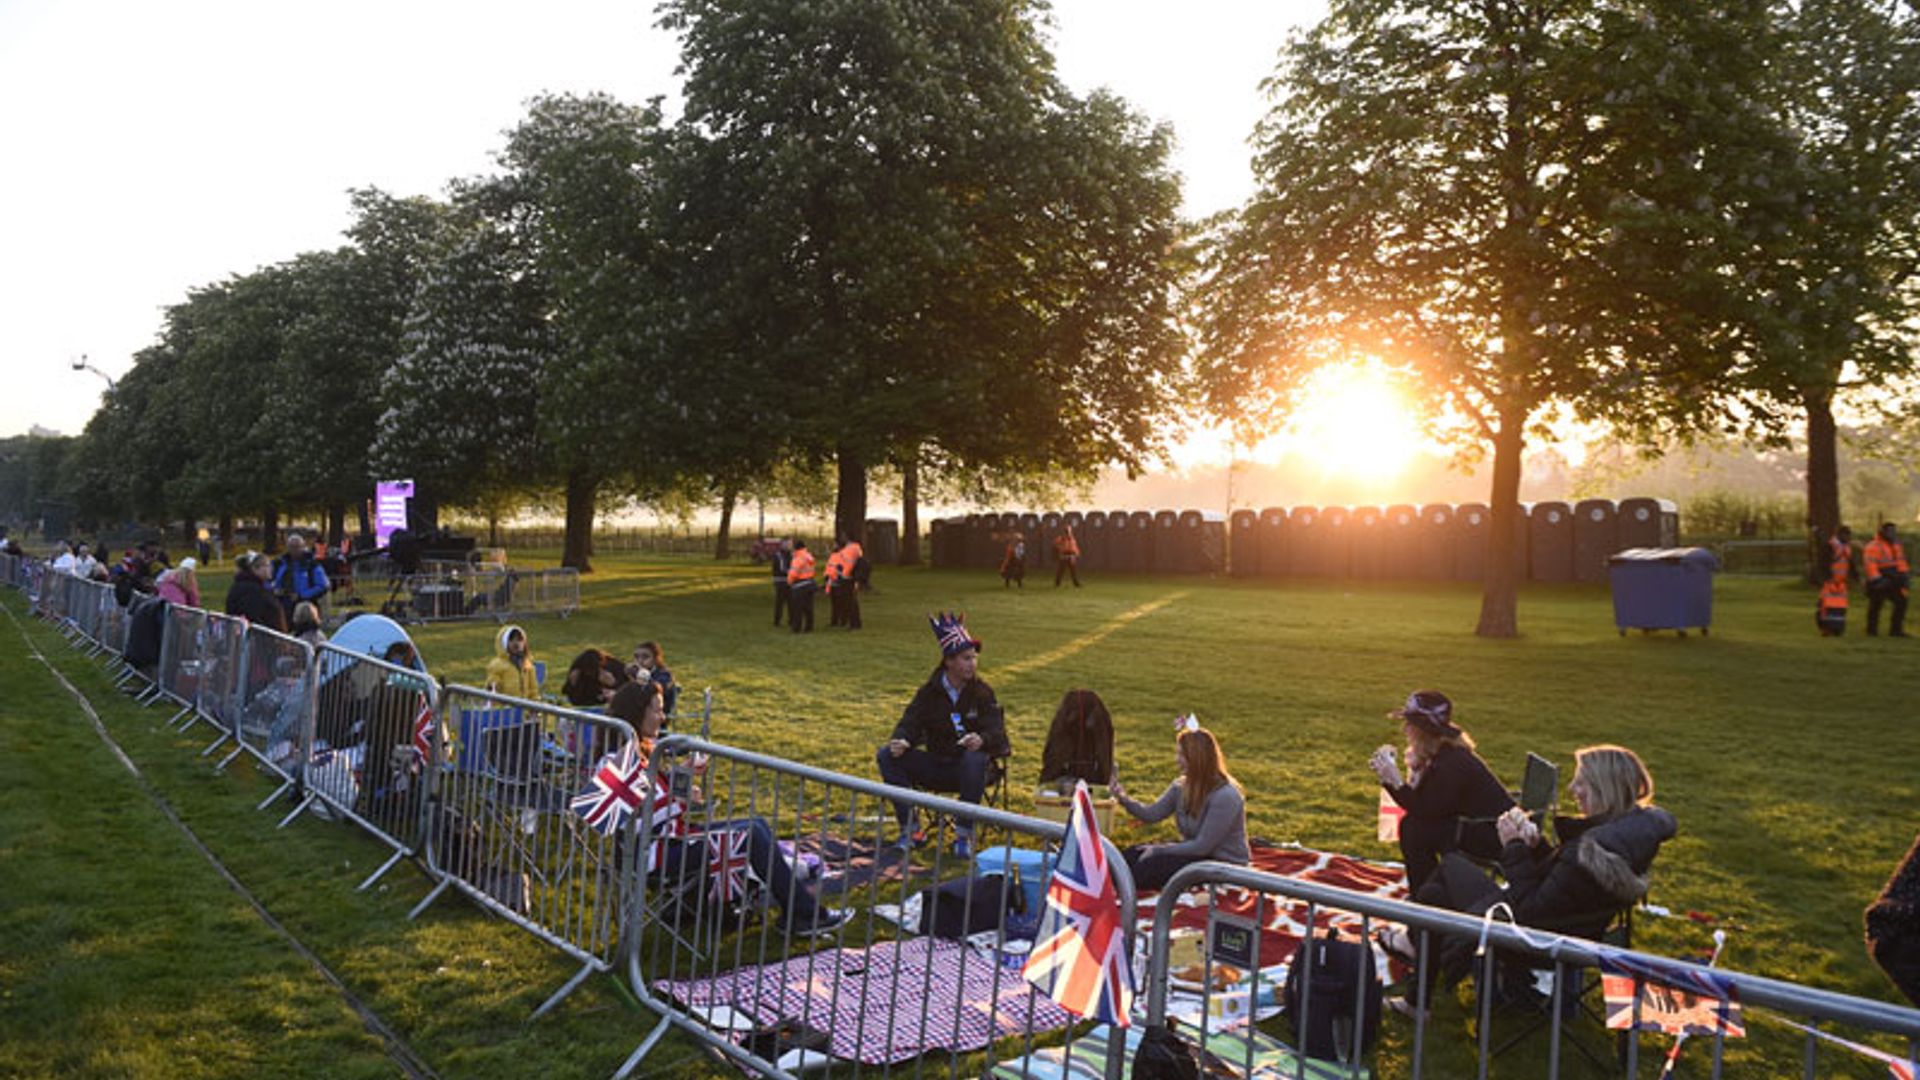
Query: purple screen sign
point(390, 508)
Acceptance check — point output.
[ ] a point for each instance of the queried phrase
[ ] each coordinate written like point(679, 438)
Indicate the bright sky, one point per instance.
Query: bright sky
point(151, 148)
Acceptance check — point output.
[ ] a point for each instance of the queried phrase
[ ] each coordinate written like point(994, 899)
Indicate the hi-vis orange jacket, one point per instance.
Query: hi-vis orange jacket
point(1833, 595)
point(1839, 559)
point(1882, 557)
point(801, 572)
point(1065, 546)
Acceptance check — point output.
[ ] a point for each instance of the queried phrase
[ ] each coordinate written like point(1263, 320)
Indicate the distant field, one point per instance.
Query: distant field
point(1788, 759)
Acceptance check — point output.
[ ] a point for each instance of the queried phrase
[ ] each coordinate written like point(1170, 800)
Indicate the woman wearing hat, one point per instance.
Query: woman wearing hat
point(1451, 798)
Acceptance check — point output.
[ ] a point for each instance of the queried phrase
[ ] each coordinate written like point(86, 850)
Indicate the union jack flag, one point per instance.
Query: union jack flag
point(618, 786)
point(727, 863)
point(669, 817)
point(1673, 999)
point(423, 730)
point(1079, 957)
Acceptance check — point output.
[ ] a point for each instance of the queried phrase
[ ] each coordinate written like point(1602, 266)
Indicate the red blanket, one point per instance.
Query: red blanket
point(1283, 922)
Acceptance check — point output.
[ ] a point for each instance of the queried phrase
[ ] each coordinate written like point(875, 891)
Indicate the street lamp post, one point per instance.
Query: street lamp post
point(80, 364)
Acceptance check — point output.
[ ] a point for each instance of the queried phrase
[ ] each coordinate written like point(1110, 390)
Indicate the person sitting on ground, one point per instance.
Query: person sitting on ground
point(1450, 796)
point(63, 558)
point(1079, 743)
point(1207, 804)
point(180, 586)
point(639, 704)
point(592, 679)
point(297, 576)
point(1598, 869)
point(249, 597)
point(511, 670)
point(955, 716)
point(306, 624)
point(650, 663)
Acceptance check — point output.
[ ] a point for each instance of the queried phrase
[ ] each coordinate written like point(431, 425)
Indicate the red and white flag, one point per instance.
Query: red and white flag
point(1079, 957)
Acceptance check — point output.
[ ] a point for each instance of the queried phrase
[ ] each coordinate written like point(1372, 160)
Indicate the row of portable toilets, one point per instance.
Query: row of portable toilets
point(1557, 541)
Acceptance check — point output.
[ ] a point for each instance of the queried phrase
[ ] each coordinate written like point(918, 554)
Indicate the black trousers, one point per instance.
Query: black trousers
point(1152, 867)
point(1424, 840)
point(1067, 566)
point(782, 593)
point(1878, 597)
point(850, 601)
point(800, 608)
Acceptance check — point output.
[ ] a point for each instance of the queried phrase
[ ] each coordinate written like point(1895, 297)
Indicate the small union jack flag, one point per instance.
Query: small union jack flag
point(423, 731)
point(618, 786)
point(1672, 998)
point(1079, 957)
point(727, 863)
point(669, 816)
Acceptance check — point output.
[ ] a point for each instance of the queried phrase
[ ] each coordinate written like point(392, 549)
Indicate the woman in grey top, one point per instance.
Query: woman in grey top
point(1206, 803)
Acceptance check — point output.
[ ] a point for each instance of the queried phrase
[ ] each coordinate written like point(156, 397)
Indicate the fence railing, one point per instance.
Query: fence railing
point(743, 892)
point(744, 859)
point(485, 592)
point(1497, 953)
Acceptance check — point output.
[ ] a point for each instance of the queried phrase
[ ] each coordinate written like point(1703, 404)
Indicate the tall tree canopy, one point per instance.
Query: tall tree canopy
point(1519, 204)
point(900, 222)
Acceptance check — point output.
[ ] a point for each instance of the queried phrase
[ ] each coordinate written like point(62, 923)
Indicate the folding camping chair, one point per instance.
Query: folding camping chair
point(1538, 795)
point(1533, 1010)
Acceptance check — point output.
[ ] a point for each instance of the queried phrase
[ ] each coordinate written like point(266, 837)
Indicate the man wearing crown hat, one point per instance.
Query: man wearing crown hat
point(950, 734)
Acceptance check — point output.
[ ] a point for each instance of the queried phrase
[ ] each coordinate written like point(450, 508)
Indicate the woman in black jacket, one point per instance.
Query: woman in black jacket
point(1598, 869)
point(1450, 796)
point(249, 598)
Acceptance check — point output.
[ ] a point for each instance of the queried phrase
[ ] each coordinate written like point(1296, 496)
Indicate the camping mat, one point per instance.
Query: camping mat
point(887, 1003)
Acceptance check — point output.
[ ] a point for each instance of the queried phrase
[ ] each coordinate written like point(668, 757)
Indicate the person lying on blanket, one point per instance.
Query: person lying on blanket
point(1207, 804)
point(1450, 796)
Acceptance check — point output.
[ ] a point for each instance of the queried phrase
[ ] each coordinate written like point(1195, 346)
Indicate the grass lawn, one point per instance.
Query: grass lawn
point(1788, 759)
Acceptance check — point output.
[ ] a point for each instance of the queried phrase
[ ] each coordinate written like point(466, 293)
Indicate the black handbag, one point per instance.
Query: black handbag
point(966, 906)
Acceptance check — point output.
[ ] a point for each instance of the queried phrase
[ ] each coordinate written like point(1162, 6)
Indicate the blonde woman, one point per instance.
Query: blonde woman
point(1206, 804)
point(1450, 796)
point(180, 586)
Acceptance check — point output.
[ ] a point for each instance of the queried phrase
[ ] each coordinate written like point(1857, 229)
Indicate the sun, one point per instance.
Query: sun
point(1353, 421)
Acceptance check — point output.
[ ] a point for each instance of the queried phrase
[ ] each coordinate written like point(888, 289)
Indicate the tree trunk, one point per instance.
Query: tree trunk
point(577, 546)
point(493, 528)
point(189, 531)
point(336, 524)
point(366, 519)
point(270, 529)
point(850, 502)
point(910, 509)
point(727, 499)
point(1500, 588)
point(1823, 480)
point(226, 532)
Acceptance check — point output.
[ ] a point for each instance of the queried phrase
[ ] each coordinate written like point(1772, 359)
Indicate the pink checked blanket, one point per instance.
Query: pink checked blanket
point(1283, 922)
point(888, 1003)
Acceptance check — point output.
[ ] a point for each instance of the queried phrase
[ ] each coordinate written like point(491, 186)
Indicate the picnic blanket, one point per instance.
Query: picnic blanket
point(884, 1004)
point(1283, 922)
point(848, 865)
point(1247, 1053)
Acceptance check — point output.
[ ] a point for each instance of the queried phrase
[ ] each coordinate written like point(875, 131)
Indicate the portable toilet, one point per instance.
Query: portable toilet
point(1167, 557)
point(1336, 542)
point(1649, 523)
point(1123, 543)
point(1596, 536)
point(1472, 525)
point(1093, 541)
point(1303, 542)
point(1204, 537)
point(1550, 541)
point(1367, 544)
point(1402, 542)
point(940, 539)
point(1433, 550)
point(1273, 543)
point(1050, 523)
point(1244, 554)
point(1141, 524)
point(882, 542)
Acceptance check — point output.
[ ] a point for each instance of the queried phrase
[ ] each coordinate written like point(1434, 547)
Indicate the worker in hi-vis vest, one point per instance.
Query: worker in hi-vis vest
point(1066, 556)
point(846, 589)
point(1887, 580)
point(800, 588)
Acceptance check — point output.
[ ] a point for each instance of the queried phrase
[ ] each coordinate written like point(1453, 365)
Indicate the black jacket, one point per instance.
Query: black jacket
point(1081, 747)
point(1893, 926)
point(1599, 868)
point(928, 720)
point(1456, 783)
point(250, 599)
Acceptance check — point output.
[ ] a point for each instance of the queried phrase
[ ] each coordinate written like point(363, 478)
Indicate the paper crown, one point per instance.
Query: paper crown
point(951, 629)
point(1184, 724)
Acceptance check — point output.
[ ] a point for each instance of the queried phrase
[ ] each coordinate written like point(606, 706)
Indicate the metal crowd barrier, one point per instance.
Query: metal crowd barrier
point(219, 647)
point(177, 679)
point(139, 608)
point(50, 602)
point(362, 747)
point(718, 903)
point(504, 828)
point(272, 702)
point(488, 592)
point(1488, 943)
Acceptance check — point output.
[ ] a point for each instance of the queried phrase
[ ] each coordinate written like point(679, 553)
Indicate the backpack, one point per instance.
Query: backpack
point(1341, 970)
point(966, 906)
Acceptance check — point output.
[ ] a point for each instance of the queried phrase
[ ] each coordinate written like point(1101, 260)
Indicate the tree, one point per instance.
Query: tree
point(1832, 277)
point(1520, 206)
point(460, 408)
point(900, 220)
